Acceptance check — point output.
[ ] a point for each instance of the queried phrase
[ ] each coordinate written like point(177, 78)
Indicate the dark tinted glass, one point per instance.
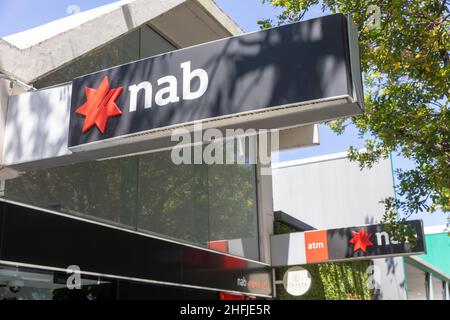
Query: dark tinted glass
point(207, 205)
point(141, 43)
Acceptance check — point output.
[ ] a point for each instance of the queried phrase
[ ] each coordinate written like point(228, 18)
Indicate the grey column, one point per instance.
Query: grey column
point(265, 200)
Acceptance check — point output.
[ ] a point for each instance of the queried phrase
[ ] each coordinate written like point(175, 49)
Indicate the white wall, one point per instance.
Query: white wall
point(392, 283)
point(37, 126)
point(330, 192)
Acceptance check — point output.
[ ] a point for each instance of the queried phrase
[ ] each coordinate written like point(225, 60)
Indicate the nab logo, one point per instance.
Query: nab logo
point(101, 104)
point(361, 240)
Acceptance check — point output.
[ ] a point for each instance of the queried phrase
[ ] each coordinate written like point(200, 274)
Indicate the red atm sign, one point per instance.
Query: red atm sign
point(316, 246)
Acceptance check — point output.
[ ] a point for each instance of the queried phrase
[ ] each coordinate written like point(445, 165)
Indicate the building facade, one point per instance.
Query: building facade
point(87, 213)
point(108, 201)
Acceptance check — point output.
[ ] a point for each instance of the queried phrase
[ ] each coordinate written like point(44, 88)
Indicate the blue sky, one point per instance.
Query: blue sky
point(19, 15)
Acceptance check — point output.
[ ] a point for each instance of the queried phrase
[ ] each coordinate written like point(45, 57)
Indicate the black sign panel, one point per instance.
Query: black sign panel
point(343, 244)
point(33, 237)
point(282, 66)
point(372, 241)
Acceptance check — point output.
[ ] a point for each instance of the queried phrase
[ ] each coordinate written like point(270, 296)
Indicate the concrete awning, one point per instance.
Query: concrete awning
point(76, 35)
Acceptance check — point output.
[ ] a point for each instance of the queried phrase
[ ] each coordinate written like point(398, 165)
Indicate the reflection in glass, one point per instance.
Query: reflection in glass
point(173, 199)
point(138, 44)
point(30, 284)
point(207, 205)
point(105, 190)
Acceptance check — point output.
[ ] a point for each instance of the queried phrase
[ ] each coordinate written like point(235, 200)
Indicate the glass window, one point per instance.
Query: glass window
point(152, 43)
point(141, 43)
point(173, 199)
point(120, 51)
point(232, 207)
point(211, 206)
point(105, 190)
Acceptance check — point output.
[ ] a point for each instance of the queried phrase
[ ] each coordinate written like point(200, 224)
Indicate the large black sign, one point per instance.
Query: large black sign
point(33, 237)
point(279, 67)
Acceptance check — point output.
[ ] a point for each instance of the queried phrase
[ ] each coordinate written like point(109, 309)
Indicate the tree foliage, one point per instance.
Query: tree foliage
point(404, 47)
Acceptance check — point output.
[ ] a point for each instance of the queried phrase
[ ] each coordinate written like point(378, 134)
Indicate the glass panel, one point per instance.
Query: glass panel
point(120, 51)
point(152, 43)
point(208, 205)
point(173, 199)
point(141, 43)
point(232, 201)
point(104, 190)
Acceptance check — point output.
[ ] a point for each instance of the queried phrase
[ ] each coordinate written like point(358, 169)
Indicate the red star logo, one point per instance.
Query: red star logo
point(100, 106)
point(361, 240)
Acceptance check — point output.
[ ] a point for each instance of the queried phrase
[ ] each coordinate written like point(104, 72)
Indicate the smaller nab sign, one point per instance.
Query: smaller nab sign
point(363, 242)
